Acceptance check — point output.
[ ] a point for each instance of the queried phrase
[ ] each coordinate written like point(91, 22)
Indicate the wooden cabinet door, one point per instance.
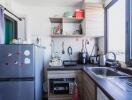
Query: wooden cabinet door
point(89, 88)
point(93, 25)
point(101, 95)
point(79, 83)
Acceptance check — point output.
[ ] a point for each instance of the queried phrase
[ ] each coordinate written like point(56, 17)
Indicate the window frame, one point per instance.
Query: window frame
point(15, 26)
point(128, 34)
point(106, 24)
point(127, 30)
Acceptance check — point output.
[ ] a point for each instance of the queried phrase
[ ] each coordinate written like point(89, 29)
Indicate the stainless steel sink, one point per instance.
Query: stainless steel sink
point(106, 72)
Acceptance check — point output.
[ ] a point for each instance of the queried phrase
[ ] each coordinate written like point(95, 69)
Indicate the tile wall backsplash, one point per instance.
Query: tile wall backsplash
point(75, 43)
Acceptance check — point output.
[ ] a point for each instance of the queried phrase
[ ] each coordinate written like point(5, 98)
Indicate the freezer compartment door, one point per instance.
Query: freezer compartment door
point(16, 61)
point(17, 90)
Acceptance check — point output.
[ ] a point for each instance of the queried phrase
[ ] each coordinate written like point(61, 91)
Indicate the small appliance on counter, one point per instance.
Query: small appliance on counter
point(83, 55)
point(101, 59)
point(93, 59)
point(108, 59)
point(98, 60)
point(56, 61)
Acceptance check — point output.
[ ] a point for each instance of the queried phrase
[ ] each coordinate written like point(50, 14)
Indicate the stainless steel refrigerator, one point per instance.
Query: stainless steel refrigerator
point(21, 72)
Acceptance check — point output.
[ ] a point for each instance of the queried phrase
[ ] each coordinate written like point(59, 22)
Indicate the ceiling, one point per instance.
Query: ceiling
point(50, 2)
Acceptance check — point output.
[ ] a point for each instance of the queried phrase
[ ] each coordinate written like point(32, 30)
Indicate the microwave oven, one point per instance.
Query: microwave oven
point(62, 87)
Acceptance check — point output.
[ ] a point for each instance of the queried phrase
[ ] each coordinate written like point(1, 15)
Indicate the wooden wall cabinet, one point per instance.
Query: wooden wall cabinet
point(93, 25)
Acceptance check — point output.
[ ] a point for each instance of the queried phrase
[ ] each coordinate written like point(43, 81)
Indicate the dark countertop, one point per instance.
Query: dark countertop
point(78, 67)
point(109, 88)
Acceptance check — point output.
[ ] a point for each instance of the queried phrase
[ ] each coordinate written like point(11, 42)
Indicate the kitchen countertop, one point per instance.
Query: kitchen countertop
point(109, 88)
point(78, 67)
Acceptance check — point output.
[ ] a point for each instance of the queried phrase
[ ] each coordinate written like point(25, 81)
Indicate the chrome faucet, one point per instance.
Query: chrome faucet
point(113, 63)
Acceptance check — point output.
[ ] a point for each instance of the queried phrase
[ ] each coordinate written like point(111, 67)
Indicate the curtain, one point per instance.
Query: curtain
point(2, 26)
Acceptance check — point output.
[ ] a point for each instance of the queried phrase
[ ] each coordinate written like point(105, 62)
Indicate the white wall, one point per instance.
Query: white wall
point(6, 3)
point(101, 45)
point(38, 25)
point(93, 1)
point(75, 43)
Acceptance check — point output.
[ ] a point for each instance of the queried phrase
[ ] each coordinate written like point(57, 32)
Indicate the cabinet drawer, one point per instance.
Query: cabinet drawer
point(61, 74)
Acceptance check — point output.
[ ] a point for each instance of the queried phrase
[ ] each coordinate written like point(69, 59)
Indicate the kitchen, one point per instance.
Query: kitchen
point(65, 50)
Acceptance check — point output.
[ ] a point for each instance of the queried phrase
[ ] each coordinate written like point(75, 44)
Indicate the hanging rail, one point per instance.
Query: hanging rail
point(11, 12)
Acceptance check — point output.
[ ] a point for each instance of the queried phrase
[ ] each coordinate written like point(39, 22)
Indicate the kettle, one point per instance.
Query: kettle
point(101, 59)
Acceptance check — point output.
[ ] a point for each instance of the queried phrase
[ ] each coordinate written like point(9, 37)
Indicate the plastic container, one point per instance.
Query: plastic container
point(68, 14)
point(79, 13)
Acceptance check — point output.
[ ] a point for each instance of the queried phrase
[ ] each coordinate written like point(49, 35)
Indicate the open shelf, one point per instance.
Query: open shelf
point(67, 36)
point(55, 19)
point(65, 20)
point(72, 20)
point(63, 23)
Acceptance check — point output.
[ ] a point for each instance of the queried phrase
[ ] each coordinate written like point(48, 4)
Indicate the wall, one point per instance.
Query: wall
point(6, 3)
point(38, 25)
point(101, 45)
point(75, 43)
point(93, 1)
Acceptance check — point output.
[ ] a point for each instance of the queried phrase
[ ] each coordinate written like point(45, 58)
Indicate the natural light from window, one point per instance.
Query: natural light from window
point(116, 29)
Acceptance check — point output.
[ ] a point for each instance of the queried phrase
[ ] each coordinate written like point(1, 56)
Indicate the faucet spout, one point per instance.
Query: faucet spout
point(113, 63)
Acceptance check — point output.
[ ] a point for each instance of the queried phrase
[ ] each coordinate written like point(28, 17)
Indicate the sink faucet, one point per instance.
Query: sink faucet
point(113, 63)
point(116, 65)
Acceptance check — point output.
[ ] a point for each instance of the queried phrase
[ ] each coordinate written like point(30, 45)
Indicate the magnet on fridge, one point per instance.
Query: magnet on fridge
point(27, 61)
point(26, 52)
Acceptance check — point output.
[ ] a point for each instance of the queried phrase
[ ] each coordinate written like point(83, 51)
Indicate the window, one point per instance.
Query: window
point(115, 14)
point(129, 32)
point(10, 29)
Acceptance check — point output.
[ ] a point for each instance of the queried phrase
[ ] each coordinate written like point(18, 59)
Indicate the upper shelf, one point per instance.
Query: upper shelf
point(55, 20)
point(57, 36)
point(65, 20)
